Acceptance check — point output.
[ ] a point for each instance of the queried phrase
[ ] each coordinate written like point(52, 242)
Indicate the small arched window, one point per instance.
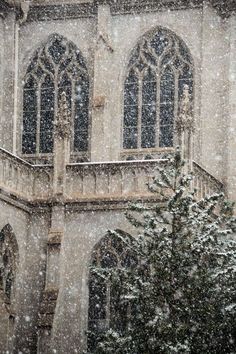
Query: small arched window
point(56, 67)
point(8, 262)
point(105, 308)
point(159, 67)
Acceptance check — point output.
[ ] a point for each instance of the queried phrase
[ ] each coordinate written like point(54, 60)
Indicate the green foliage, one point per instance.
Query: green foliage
point(181, 296)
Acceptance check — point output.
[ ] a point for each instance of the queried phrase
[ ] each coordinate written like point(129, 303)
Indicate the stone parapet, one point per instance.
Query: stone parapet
point(21, 179)
point(88, 182)
point(205, 183)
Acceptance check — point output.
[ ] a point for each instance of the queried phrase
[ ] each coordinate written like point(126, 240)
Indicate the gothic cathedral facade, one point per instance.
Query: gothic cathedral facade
point(94, 94)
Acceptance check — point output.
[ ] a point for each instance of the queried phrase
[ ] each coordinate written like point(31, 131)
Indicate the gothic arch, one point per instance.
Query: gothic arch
point(104, 310)
point(56, 66)
point(159, 66)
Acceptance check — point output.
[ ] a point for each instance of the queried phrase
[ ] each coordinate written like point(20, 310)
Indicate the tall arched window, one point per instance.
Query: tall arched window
point(105, 308)
point(159, 67)
point(8, 261)
point(56, 67)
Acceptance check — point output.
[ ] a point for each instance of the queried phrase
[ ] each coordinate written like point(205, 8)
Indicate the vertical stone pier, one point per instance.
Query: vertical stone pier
point(62, 134)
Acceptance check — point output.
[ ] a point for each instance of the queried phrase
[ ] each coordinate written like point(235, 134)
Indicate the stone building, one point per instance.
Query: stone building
point(93, 95)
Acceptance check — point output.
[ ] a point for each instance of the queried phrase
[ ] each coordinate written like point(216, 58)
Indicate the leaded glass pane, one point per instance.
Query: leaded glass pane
point(166, 135)
point(57, 49)
point(46, 142)
point(131, 116)
point(148, 136)
point(149, 99)
point(29, 143)
point(46, 132)
point(30, 100)
point(30, 122)
point(81, 140)
point(167, 96)
point(130, 112)
point(159, 42)
point(29, 116)
point(130, 138)
point(81, 121)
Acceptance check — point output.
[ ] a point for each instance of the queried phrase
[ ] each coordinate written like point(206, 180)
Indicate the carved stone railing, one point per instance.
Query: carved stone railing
point(108, 181)
point(19, 178)
point(121, 180)
point(204, 183)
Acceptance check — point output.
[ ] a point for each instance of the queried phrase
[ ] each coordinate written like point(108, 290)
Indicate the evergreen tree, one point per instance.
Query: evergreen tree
point(179, 297)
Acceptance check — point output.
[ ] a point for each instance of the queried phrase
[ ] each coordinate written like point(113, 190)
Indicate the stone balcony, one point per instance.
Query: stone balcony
point(89, 182)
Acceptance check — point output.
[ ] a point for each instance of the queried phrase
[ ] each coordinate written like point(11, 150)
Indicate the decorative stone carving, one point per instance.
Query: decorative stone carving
point(99, 101)
point(62, 126)
point(185, 121)
point(106, 40)
point(25, 6)
point(185, 127)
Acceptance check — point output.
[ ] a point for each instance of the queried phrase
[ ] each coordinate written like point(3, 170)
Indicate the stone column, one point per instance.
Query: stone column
point(62, 133)
point(101, 89)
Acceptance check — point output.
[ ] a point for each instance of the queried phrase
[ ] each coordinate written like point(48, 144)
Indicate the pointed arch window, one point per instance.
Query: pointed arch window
point(105, 308)
point(8, 262)
point(56, 67)
point(159, 67)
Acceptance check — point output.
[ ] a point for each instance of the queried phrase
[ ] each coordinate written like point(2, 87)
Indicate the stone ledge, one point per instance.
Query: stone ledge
point(62, 11)
point(55, 238)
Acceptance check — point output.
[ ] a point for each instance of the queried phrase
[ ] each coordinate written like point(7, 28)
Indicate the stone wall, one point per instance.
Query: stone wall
point(30, 230)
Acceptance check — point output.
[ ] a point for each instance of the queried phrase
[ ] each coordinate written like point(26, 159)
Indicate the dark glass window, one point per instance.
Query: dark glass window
point(159, 68)
point(167, 94)
point(130, 136)
point(8, 261)
point(56, 67)
point(47, 115)
point(81, 114)
point(29, 116)
point(106, 310)
point(149, 98)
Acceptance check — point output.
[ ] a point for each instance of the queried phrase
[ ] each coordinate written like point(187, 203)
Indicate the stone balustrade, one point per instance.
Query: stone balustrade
point(21, 179)
point(122, 180)
point(108, 181)
point(204, 183)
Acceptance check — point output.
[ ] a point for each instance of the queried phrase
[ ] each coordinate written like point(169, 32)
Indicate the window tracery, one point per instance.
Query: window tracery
point(8, 262)
point(56, 67)
point(105, 308)
point(159, 68)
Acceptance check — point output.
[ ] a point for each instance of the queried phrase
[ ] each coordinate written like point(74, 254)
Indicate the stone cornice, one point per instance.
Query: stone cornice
point(61, 12)
point(4, 8)
point(72, 10)
point(224, 7)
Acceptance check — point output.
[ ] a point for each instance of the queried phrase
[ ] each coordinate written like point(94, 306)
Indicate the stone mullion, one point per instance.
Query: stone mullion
point(73, 93)
point(158, 88)
point(140, 104)
point(176, 105)
point(38, 118)
point(56, 79)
